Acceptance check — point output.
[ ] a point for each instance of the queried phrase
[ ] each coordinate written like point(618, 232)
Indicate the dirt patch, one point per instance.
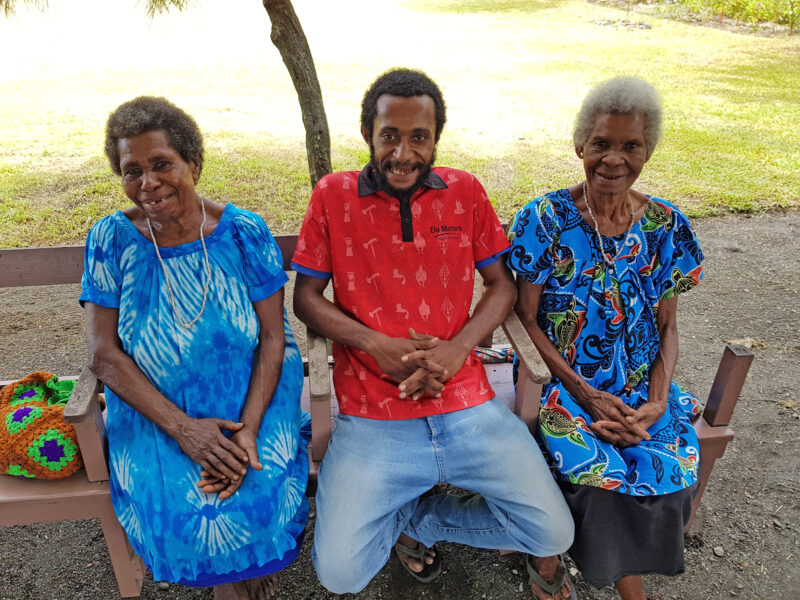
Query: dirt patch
point(745, 543)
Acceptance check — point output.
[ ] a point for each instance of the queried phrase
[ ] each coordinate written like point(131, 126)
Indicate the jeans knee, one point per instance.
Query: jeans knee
point(337, 572)
point(560, 531)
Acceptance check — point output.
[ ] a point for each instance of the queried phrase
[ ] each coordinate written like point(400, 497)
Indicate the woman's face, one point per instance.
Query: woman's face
point(155, 177)
point(614, 153)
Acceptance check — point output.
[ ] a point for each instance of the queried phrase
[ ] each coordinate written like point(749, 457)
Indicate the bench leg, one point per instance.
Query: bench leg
point(128, 567)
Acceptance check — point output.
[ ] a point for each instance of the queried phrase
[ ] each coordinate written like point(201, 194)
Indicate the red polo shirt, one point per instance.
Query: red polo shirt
point(398, 266)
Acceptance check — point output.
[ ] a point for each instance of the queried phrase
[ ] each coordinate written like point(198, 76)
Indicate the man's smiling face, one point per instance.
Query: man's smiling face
point(403, 142)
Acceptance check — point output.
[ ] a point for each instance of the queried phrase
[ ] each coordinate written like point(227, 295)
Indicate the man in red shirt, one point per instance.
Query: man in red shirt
point(401, 241)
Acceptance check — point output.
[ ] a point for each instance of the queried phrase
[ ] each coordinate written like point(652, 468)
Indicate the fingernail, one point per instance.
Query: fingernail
point(402, 395)
point(403, 386)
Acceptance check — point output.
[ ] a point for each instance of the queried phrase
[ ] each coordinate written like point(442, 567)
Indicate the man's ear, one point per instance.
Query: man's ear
point(579, 151)
point(365, 134)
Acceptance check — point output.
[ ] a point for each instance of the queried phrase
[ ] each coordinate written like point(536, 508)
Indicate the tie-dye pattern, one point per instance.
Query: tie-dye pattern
point(181, 533)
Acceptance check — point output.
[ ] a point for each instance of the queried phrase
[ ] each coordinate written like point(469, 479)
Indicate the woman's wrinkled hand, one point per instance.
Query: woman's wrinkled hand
point(245, 438)
point(612, 420)
point(202, 440)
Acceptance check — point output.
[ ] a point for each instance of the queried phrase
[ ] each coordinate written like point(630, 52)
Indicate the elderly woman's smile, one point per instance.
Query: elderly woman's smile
point(155, 176)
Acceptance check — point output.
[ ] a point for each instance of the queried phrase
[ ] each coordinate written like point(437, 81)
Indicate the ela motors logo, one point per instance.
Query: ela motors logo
point(445, 232)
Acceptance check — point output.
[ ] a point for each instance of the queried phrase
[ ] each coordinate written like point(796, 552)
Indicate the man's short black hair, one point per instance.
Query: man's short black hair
point(405, 83)
point(147, 113)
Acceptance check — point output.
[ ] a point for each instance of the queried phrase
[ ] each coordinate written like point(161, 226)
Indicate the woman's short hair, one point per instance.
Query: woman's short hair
point(620, 96)
point(147, 113)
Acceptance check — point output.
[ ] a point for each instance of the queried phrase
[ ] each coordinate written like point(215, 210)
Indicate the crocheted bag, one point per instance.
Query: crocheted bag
point(35, 442)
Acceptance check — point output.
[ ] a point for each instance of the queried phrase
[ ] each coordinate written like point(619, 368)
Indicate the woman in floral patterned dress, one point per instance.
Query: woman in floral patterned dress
point(187, 329)
point(600, 267)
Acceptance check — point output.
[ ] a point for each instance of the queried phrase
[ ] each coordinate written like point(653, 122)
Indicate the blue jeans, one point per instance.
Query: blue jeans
point(374, 473)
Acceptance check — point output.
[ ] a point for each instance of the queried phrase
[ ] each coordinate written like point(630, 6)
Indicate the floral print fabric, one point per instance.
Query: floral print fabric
point(181, 533)
point(603, 322)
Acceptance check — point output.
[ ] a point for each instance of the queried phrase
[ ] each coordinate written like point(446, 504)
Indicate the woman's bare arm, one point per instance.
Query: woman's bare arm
point(201, 439)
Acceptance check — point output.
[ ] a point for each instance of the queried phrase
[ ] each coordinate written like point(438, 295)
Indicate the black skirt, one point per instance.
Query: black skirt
point(617, 535)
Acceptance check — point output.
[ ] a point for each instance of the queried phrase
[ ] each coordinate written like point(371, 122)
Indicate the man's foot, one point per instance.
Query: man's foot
point(421, 562)
point(548, 578)
point(259, 588)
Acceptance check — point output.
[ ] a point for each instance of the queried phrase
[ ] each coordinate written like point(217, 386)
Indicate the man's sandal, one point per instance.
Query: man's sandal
point(429, 571)
point(562, 577)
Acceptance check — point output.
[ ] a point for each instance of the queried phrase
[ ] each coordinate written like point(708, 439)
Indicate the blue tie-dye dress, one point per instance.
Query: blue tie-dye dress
point(182, 534)
point(603, 322)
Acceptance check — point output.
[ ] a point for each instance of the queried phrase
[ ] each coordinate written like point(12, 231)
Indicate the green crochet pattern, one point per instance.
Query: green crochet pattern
point(18, 471)
point(61, 391)
point(36, 392)
point(22, 417)
point(53, 450)
point(25, 394)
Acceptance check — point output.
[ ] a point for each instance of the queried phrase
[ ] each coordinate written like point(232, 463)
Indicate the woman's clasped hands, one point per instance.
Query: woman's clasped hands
point(224, 460)
point(613, 420)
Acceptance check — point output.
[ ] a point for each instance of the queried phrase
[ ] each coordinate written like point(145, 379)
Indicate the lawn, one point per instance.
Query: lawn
point(513, 73)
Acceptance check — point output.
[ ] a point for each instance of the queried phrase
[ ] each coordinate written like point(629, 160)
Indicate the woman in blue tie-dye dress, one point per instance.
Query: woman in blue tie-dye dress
point(203, 376)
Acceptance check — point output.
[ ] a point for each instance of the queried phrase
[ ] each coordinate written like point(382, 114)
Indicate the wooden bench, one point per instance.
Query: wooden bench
point(86, 494)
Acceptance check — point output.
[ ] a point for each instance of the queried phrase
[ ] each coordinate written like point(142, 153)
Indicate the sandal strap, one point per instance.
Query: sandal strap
point(550, 588)
point(418, 552)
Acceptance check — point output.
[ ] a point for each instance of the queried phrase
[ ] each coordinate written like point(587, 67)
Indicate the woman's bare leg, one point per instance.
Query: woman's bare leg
point(631, 588)
point(259, 588)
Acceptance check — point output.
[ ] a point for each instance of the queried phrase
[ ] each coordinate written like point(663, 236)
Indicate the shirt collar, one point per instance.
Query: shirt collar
point(368, 182)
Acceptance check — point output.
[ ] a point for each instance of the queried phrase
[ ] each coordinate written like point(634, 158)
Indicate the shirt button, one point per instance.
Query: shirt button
point(406, 220)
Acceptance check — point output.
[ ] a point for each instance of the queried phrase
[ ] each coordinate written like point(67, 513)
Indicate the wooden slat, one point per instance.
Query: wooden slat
point(727, 385)
point(40, 266)
point(319, 384)
point(523, 346)
point(21, 267)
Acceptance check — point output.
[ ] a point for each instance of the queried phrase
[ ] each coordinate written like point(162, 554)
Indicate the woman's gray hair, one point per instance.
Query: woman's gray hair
point(622, 95)
point(147, 113)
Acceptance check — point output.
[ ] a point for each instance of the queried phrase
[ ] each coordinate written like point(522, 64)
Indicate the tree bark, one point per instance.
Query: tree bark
point(288, 37)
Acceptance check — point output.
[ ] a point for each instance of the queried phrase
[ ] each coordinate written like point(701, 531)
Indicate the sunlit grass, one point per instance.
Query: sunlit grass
point(513, 73)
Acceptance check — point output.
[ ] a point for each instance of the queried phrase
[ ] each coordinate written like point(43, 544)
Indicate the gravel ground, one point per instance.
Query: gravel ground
point(744, 544)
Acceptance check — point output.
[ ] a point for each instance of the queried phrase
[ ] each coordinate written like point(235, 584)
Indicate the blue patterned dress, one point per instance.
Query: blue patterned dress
point(603, 322)
point(182, 534)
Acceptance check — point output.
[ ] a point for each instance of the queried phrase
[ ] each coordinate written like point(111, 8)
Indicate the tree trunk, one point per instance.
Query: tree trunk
point(288, 37)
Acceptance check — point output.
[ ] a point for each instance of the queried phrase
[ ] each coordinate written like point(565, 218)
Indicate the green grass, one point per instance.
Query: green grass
point(513, 73)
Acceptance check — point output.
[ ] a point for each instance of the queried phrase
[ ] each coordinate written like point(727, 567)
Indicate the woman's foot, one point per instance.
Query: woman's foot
point(548, 570)
point(259, 588)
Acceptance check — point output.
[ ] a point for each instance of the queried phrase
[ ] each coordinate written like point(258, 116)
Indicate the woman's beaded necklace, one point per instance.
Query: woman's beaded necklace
point(606, 256)
point(166, 276)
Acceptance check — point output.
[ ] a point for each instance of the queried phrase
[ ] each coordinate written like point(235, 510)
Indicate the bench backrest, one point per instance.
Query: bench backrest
point(51, 265)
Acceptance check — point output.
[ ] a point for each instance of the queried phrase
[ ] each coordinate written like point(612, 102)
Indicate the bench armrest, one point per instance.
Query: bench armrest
point(518, 337)
point(532, 371)
point(84, 412)
point(727, 385)
point(319, 385)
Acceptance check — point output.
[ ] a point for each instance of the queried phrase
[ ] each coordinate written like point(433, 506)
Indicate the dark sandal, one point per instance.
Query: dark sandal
point(562, 577)
point(429, 571)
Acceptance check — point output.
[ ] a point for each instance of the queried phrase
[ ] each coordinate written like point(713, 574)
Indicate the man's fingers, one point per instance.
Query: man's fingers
point(236, 451)
point(412, 383)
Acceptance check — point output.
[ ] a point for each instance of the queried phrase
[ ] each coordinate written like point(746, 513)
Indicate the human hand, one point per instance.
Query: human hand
point(389, 353)
point(421, 383)
point(245, 438)
point(202, 441)
point(439, 362)
point(610, 416)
